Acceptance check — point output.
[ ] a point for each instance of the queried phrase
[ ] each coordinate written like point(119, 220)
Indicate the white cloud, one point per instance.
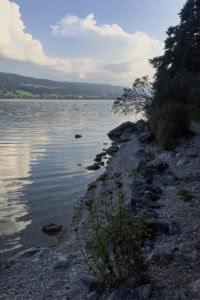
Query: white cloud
point(17, 45)
point(113, 55)
point(123, 56)
point(72, 25)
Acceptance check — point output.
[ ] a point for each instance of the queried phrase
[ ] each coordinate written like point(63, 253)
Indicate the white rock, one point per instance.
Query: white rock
point(181, 162)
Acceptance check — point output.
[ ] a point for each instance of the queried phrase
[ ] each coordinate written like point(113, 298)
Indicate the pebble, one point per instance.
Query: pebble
point(78, 136)
point(62, 263)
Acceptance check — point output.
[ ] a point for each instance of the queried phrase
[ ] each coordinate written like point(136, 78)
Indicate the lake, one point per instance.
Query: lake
point(43, 167)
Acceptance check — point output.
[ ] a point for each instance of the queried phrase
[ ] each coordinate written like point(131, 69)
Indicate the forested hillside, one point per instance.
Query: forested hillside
point(21, 87)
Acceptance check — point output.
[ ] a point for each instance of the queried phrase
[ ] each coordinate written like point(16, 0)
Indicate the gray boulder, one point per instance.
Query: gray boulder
point(166, 156)
point(143, 292)
point(124, 293)
point(145, 137)
point(141, 125)
point(158, 166)
point(51, 228)
point(122, 133)
point(195, 127)
point(186, 253)
point(194, 290)
point(93, 167)
point(180, 295)
point(112, 150)
point(91, 283)
point(121, 293)
point(178, 254)
point(92, 296)
point(62, 263)
point(161, 255)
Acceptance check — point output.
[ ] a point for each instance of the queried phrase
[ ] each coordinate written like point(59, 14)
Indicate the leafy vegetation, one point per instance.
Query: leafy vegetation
point(169, 123)
point(135, 176)
point(177, 76)
point(20, 87)
point(137, 99)
point(174, 96)
point(148, 156)
point(116, 240)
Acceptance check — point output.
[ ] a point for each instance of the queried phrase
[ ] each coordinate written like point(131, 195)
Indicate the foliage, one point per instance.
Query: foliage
point(169, 123)
point(135, 176)
point(116, 240)
point(137, 99)
point(148, 155)
point(177, 77)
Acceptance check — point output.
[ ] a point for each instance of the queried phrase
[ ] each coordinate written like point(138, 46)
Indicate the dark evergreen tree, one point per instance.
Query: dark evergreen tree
point(177, 77)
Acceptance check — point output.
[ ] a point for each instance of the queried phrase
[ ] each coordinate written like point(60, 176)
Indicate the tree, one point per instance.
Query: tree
point(177, 77)
point(136, 99)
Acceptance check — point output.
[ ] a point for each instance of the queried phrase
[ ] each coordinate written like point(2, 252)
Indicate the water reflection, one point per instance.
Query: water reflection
point(16, 159)
point(40, 180)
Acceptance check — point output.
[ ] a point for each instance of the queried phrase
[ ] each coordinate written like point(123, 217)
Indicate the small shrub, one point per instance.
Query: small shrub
point(185, 195)
point(148, 156)
point(169, 123)
point(116, 240)
point(135, 176)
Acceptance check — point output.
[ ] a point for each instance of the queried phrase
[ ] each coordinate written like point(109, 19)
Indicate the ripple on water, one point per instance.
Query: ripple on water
point(40, 180)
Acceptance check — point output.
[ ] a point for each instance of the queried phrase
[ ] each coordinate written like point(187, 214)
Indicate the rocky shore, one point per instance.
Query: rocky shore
point(162, 187)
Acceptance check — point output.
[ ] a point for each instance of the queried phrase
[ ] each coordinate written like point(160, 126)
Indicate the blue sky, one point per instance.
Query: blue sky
point(103, 41)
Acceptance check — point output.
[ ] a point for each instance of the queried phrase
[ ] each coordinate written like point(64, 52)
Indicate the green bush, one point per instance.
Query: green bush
point(135, 174)
point(116, 240)
point(169, 123)
point(148, 155)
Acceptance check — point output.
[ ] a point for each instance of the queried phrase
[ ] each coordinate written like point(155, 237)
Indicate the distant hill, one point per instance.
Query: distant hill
point(14, 86)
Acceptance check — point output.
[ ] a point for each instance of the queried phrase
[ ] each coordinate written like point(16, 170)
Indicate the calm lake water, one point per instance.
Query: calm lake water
point(40, 176)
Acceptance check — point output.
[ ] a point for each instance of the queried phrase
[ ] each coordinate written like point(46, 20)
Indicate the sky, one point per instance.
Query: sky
point(95, 41)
